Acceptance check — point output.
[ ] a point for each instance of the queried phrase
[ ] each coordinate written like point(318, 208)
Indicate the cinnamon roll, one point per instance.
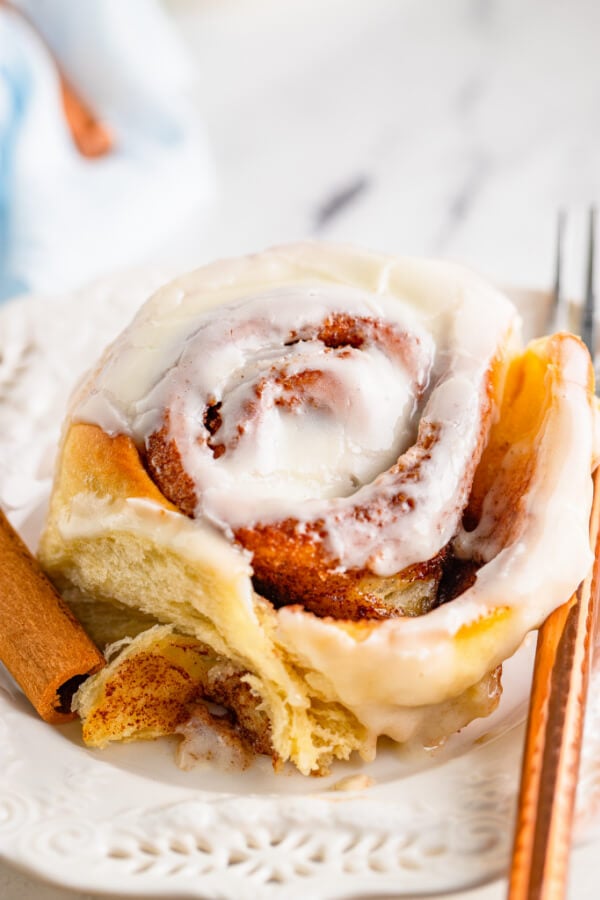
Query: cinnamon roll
point(336, 492)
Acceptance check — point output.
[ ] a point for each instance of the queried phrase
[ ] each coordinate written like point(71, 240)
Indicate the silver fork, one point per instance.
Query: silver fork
point(559, 316)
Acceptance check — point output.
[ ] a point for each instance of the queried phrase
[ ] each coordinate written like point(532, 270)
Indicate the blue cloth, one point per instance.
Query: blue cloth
point(14, 83)
point(64, 218)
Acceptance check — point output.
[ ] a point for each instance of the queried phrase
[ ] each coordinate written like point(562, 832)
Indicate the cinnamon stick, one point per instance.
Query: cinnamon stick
point(42, 644)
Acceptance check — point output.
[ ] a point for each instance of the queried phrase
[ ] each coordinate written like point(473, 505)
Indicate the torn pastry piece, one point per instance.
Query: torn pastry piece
point(340, 475)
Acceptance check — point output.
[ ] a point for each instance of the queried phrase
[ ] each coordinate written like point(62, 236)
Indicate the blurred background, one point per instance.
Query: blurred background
point(218, 127)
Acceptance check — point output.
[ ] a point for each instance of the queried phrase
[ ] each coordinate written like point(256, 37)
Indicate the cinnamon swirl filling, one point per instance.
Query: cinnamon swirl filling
point(332, 436)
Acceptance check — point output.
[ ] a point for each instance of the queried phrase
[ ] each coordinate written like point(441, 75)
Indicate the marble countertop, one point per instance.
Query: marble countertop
point(411, 126)
point(454, 129)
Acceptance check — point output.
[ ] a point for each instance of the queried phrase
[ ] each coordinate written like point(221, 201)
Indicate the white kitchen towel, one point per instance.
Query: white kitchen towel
point(65, 218)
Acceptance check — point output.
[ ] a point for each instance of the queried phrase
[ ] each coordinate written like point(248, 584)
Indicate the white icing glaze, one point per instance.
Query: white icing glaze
point(329, 452)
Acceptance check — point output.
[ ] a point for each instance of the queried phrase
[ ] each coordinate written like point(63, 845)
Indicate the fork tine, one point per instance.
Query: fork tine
point(588, 315)
point(559, 311)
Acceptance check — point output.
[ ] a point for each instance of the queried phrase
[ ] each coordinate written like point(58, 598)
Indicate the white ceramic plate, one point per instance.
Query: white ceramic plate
point(126, 820)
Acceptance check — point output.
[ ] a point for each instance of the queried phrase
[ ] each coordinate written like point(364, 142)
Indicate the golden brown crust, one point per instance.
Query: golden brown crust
point(165, 467)
point(106, 466)
point(292, 568)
